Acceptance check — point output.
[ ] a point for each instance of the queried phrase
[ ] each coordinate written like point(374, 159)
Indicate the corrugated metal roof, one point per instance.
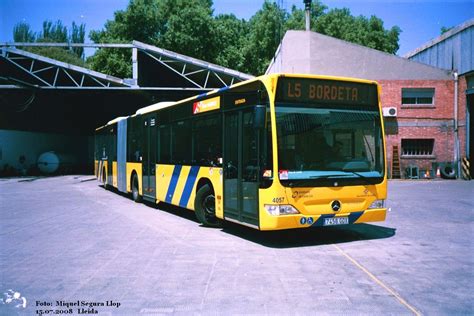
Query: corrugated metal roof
point(451, 51)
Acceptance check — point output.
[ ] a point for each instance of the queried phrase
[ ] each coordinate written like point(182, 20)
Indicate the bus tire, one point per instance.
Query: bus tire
point(448, 172)
point(205, 207)
point(136, 189)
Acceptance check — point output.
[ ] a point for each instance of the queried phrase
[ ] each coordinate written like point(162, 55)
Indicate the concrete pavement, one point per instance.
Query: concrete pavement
point(68, 246)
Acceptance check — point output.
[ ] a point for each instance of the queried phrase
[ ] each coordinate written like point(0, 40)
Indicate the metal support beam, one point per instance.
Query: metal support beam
point(172, 69)
point(135, 66)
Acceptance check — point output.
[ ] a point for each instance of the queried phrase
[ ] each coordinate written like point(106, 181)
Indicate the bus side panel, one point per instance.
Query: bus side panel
point(114, 174)
point(215, 176)
point(163, 177)
point(177, 184)
point(180, 194)
point(137, 167)
point(96, 168)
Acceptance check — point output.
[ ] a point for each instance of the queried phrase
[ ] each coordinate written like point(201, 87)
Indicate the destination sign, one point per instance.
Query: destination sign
point(302, 90)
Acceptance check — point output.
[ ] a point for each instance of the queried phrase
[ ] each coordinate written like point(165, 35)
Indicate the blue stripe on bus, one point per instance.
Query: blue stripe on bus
point(188, 187)
point(354, 216)
point(173, 183)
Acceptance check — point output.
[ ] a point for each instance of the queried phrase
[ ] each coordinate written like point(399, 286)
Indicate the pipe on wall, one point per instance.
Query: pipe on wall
point(456, 134)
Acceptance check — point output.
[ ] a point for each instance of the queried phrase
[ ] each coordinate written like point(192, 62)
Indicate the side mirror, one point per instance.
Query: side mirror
point(260, 112)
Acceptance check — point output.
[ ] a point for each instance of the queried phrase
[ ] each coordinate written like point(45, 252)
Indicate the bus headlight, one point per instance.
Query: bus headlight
point(276, 210)
point(377, 204)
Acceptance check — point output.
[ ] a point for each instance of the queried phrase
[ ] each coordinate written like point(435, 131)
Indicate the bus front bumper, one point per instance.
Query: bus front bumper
point(303, 221)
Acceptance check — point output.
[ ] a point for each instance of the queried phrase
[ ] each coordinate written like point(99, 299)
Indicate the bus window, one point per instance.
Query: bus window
point(181, 143)
point(207, 140)
point(164, 148)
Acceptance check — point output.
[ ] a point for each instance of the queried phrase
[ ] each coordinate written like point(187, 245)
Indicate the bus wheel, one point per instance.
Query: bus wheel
point(135, 189)
point(205, 206)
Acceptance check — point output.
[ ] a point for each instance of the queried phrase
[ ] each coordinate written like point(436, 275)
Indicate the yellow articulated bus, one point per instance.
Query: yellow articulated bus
point(276, 152)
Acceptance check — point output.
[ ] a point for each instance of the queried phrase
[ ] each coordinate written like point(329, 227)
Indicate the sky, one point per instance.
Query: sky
point(419, 20)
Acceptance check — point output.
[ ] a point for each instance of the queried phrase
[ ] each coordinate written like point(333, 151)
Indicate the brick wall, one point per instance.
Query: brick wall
point(413, 122)
point(462, 110)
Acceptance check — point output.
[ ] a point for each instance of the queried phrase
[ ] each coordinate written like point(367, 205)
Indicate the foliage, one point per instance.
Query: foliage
point(445, 29)
point(53, 33)
point(187, 26)
point(113, 61)
point(190, 28)
point(228, 41)
point(58, 53)
point(78, 33)
point(339, 23)
point(264, 36)
point(23, 33)
point(296, 19)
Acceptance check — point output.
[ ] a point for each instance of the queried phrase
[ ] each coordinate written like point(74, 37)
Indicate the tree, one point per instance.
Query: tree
point(50, 33)
point(339, 23)
point(78, 33)
point(178, 25)
point(139, 21)
point(23, 33)
point(188, 28)
point(229, 39)
point(113, 61)
point(53, 33)
point(445, 29)
point(297, 21)
point(264, 36)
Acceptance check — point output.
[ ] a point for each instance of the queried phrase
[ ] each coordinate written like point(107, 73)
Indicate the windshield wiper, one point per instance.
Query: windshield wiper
point(336, 175)
point(356, 173)
point(327, 176)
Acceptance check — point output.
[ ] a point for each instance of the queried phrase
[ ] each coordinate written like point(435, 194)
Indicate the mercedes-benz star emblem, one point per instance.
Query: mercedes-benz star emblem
point(336, 206)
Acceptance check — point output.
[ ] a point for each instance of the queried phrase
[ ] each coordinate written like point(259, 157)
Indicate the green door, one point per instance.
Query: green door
point(241, 170)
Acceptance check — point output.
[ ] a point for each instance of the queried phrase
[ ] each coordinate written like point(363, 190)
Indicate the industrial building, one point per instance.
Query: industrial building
point(454, 51)
point(424, 104)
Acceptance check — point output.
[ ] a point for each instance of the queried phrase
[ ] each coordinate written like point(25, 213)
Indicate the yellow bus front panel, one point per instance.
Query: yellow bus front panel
point(314, 206)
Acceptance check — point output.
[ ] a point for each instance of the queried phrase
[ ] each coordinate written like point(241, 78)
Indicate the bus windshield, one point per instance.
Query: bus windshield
point(329, 132)
point(330, 143)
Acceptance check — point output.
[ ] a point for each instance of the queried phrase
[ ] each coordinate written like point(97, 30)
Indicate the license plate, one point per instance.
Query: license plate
point(336, 221)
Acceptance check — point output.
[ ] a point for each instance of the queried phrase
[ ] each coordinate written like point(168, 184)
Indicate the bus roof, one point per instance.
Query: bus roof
point(166, 104)
point(115, 120)
point(154, 107)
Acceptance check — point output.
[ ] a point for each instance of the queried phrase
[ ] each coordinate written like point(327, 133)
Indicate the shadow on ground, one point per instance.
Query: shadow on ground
point(288, 238)
point(310, 236)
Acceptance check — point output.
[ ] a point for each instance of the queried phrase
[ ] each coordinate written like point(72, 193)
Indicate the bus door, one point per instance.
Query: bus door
point(241, 168)
point(111, 154)
point(149, 156)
